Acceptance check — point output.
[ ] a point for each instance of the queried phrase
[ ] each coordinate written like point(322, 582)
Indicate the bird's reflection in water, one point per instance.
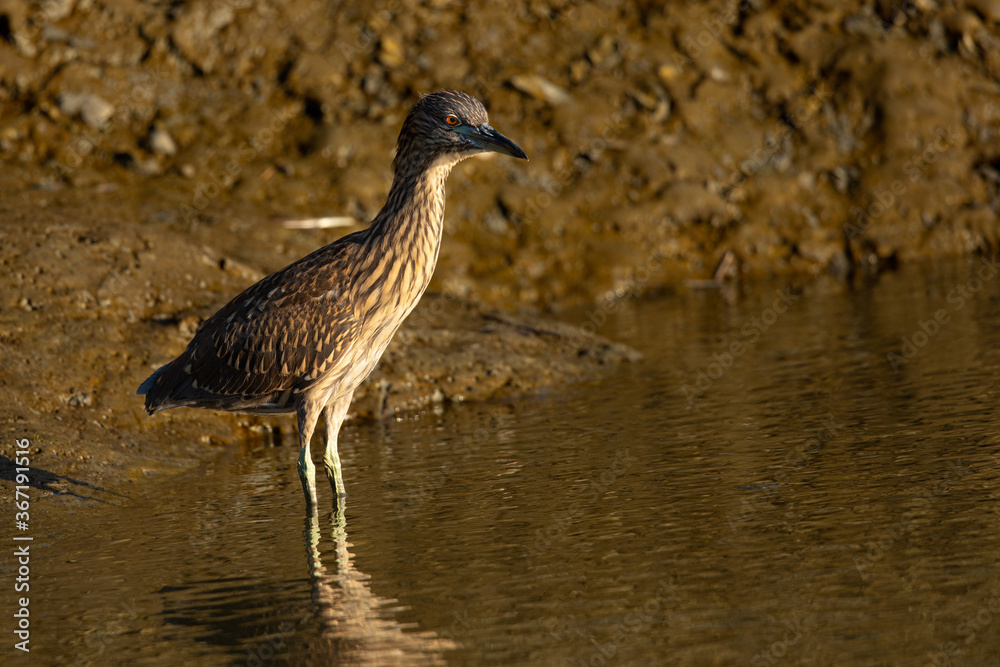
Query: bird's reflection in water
point(356, 626)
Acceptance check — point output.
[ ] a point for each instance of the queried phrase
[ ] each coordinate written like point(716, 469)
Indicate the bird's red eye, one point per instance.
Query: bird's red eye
point(452, 119)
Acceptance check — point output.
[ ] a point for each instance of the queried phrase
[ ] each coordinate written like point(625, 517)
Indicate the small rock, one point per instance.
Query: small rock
point(864, 23)
point(188, 326)
point(605, 52)
point(540, 88)
point(391, 54)
point(149, 166)
point(657, 103)
point(966, 27)
point(195, 32)
point(92, 108)
point(844, 178)
point(668, 72)
point(79, 399)
point(51, 33)
point(56, 10)
point(161, 142)
point(718, 74)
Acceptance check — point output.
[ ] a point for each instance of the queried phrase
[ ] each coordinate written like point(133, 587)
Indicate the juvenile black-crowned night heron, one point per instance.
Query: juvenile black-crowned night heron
point(303, 339)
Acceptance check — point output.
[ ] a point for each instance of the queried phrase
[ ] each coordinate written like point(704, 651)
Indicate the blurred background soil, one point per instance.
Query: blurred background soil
point(149, 149)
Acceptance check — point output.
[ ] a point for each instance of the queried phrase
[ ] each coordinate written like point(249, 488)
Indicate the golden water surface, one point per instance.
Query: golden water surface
point(805, 474)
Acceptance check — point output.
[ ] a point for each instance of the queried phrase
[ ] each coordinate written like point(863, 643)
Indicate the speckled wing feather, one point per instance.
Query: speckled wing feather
point(268, 344)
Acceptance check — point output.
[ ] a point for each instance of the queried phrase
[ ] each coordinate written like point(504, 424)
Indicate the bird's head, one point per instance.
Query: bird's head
point(450, 124)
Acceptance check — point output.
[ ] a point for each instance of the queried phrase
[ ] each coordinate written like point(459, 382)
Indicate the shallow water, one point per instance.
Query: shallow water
point(796, 500)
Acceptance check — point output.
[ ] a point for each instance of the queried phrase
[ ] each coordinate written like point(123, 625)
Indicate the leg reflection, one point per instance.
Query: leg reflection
point(355, 624)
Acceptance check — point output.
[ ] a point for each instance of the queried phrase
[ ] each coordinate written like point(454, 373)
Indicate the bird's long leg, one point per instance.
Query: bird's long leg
point(308, 414)
point(335, 413)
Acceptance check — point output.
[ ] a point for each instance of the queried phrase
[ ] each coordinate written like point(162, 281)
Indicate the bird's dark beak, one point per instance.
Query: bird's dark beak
point(488, 139)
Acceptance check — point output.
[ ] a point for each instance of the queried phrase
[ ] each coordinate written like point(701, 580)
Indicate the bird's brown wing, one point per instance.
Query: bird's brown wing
point(267, 345)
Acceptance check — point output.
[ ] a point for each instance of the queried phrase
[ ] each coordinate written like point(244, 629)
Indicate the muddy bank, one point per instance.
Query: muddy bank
point(93, 304)
point(803, 137)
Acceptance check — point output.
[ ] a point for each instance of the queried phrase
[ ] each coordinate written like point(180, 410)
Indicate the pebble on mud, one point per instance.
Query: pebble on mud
point(161, 142)
point(93, 109)
point(540, 88)
point(79, 399)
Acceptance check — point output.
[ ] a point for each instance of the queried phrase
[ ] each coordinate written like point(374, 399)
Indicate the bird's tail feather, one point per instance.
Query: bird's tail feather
point(149, 382)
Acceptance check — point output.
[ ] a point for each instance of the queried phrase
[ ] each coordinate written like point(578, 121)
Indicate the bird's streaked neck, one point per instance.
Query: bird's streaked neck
point(404, 240)
point(416, 197)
